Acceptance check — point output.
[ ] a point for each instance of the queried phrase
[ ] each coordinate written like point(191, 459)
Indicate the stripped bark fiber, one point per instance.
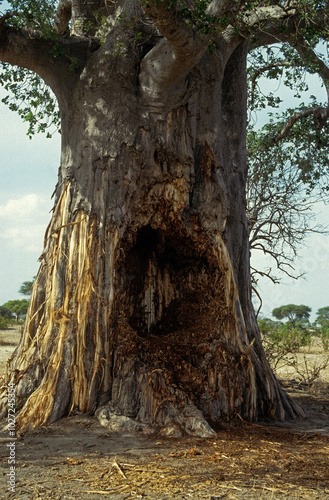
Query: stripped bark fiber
point(143, 297)
point(167, 340)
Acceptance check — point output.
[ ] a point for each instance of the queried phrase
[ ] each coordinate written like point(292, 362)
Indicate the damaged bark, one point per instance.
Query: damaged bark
point(143, 298)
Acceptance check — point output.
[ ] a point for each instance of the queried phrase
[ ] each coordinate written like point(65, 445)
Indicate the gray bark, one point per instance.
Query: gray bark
point(143, 298)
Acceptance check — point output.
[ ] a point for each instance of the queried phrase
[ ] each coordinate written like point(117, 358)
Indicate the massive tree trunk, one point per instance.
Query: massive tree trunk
point(143, 297)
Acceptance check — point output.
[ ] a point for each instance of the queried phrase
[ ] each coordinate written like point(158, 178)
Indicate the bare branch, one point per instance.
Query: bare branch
point(282, 265)
point(266, 274)
point(255, 291)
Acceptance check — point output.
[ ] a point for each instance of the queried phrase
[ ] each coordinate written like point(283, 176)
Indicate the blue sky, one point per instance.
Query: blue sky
point(313, 257)
point(28, 172)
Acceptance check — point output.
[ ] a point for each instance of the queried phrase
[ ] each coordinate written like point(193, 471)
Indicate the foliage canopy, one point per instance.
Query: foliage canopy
point(17, 307)
point(292, 312)
point(288, 167)
point(288, 61)
point(26, 288)
point(322, 317)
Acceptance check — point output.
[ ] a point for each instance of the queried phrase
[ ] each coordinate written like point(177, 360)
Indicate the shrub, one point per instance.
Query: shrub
point(281, 340)
point(3, 323)
point(6, 313)
point(325, 339)
point(308, 372)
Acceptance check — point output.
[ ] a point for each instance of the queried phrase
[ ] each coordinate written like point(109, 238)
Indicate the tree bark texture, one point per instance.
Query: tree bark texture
point(143, 297)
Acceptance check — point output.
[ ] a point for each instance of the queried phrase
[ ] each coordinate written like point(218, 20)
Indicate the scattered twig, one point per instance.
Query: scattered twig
point(99, 492)
point(117, 466)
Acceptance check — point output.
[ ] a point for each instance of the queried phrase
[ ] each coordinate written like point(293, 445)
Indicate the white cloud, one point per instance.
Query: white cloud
point(23, 222)
point(23, 207)
point(28, 176)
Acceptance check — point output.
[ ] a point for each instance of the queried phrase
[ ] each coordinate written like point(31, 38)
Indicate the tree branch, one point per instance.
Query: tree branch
point(6, 16)
point(270, 24)
point(257, 73)
point(30, 50)
point(320, 114)
point(63, 15)
point(182, 47)
point(290, 123)
point(254, 289)
point(311, 58)
point(287, 20)
point(174, 56)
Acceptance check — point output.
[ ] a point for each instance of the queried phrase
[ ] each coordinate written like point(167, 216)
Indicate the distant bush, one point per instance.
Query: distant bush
point(5, 312)
point(4, 322)
point(308, 372)
point(325, 338)
point(282, 344)
point(281, 340)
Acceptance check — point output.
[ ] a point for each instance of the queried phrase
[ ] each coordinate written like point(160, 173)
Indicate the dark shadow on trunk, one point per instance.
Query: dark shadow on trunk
point(165, 284)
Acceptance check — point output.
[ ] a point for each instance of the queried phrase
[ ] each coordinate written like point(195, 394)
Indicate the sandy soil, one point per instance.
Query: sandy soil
point(76, 458)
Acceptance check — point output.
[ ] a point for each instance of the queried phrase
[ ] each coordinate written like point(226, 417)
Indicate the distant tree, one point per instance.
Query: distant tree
point(3, 323)
point(26, 288)
point(322, 317)
point(5, 312)
point(5, 317)
point(17, 307)
point(292, 312)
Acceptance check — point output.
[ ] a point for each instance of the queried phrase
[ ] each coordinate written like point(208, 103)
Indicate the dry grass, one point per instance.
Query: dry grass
point(309, 360)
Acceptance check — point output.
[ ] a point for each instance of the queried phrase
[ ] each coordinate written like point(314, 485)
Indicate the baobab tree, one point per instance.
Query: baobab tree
point(143, 296)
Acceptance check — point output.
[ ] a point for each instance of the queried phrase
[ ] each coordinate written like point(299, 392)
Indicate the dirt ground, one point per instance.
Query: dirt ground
point(76, 458)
